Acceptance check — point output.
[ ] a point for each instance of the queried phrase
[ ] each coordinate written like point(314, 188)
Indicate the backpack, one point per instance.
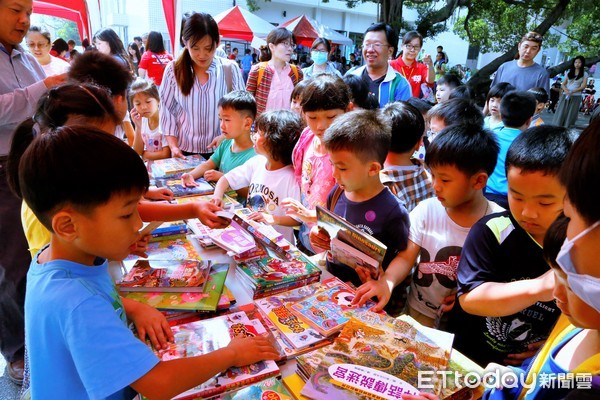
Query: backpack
point(261, 71)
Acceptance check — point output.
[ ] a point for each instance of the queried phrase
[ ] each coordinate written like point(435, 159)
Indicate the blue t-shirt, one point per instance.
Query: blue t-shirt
point(247, 62)
point(497, 183)
point(226, 160)
point(77, 338)
point(382, 216)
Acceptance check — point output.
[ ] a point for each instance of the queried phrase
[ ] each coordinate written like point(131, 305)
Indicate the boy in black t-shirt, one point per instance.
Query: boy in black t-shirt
point(505, 309)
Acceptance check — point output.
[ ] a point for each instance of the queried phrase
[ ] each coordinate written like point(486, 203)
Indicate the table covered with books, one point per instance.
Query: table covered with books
point(247, 280)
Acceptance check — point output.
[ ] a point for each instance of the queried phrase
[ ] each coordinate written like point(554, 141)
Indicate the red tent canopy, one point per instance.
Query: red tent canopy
point(239, 23)
point(73, 10)
point(306, 30)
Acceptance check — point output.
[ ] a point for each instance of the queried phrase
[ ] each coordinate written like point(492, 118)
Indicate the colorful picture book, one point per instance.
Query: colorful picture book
point(173, 167)
point(228, 201)
point(350, 245)
point(269, 389)
point(232, 238)
point(169, 228)
point(166, 276)
point(329, 310)
point(175, 186)
point(207, 300)
point(201, 337)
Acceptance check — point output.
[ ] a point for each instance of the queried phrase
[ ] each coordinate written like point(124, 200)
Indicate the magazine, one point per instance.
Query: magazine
point(174, 166)
point(175, 186)
point(166, 276)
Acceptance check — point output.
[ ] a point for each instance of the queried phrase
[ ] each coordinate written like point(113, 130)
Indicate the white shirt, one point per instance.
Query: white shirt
point(56, 66)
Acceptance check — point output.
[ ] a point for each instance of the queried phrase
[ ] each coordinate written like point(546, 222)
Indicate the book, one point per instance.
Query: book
point(232, 238)
point(201, 337)
point(228, 201)
point(363, 243)
point(329, 310)
point(169, 228)
point(269, 389)
point(175, 186)
point(166, 276)
point(173, 167)
point(207, 300)
point(294, 384)
point(179, 248)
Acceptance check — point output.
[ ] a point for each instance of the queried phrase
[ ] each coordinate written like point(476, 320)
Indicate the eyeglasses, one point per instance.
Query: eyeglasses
point(288, 44)
point(375, 46)
point(411, 47)
point(32, 45)
point(536, 37)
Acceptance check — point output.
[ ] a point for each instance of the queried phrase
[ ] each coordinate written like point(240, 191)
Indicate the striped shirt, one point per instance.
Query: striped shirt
point(261, 92)
point(194, 119)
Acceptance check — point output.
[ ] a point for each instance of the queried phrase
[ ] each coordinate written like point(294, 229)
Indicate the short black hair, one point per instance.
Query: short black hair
point(60, 45)
point(422, 105)
point(462, 92)
point(390, 35)
point(457, 111)
point(470, 148)
point(540, 149)
point(450, 80)
point(554, 238)
point(137, 38)
point(499, 90)
point(101, 69)
point(407, 123)
point(297, 91)
point(78, 154)
point(364, 133)
point(282, 129)
point(516, 108)
point(360, 92)
point(240, 101)
point(325, 92)
point(541, 95)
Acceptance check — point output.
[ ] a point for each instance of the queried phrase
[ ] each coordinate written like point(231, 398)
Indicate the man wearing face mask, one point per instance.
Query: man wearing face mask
point(319, 53)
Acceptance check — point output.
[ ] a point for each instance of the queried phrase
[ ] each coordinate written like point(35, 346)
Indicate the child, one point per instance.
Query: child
point(444, 86)
point(504, 285)
point(324, 98)
point(270, 177)
point(516, 109)
point(460, 158)
point(296, 97)
point(541, 100)
point(237, 111)
point(492, 104)
point(405, 176)
point(451, 112)
point(149, 141)
point(358, 143)
point(76, 331)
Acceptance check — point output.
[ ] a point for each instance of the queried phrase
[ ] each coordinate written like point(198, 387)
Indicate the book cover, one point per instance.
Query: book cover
point(345, 254)
point(169, 228)
point(270, 271)
point(166, 276)
point(175, 186)
point(329, 310)
point(269, 389)
point(233, 238)
point(345, 232)
point(170, 167)
point(179, 248)
point(207, 300)
point(201, 337)
point(228, 201)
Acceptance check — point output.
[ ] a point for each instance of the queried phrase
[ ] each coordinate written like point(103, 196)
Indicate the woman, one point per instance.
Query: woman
point(155, 58)
point(134, 55)
point(272, 81)
point(39, 44)
point(192, 87)
point(414, 71)
point(60, 49)
point(108, 42)
point(319, 53)
point(570, 101)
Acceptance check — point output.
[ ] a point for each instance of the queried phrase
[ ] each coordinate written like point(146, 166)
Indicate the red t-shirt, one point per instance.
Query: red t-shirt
point(416, 74)
point(155, 64)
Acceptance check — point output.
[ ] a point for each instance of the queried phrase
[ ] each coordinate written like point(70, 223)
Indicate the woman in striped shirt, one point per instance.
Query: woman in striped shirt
point(192, 86)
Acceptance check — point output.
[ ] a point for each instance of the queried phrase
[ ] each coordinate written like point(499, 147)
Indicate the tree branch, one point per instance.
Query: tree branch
point(560, 68)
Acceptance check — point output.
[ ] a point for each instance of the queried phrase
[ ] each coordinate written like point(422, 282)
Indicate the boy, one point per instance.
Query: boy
point(237, 111)
point(269, 176)
point(504, 285)
point(405, 176)
point(516, 110)
point(451, 112)
point(541, 100)
point(460, 158)
point(77, 337)
point(444, 86)
point(357, 144)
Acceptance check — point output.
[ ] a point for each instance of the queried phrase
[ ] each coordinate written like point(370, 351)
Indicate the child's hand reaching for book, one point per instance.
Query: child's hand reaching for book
point(319, 239)
point(263, 217)
point(294, 208)
point(187, 180)
point(212, 175)
point(217, 201)
point(159, 194)
point(139, 248)
point(149, 322)
point(380, 288)
point(249, 350)
point(205, 212)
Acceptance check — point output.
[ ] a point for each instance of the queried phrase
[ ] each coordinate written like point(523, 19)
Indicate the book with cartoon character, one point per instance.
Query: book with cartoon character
point(270, 389)
point(174, 167)
point(201, 337)
point(166, 276)
point(329, 310)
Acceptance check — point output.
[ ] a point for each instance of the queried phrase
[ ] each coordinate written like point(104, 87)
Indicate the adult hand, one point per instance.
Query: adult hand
point(176, 152)
point(216, 142)
point(55, 80)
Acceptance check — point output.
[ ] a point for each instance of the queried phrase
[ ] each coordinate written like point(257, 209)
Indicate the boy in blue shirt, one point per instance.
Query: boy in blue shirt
point(77, 338)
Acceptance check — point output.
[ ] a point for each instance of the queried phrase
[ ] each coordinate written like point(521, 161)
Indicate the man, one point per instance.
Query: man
point(234, 54)
point(524, 73)
point(140, 44)
point(385, 83)
point(22, 83)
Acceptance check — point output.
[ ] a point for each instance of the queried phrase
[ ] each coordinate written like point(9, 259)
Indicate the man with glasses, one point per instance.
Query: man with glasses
point(385, 83)
point(22, 83)
point(524, 73)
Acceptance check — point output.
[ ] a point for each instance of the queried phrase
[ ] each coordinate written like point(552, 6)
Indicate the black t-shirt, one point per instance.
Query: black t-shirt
point(373, 84)
point(497, 249)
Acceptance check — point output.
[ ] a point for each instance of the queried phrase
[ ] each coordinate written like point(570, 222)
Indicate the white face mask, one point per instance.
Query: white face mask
point(586, 287)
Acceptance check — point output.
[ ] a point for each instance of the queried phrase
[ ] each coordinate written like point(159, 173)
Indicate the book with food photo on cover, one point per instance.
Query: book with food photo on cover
point(166, 276)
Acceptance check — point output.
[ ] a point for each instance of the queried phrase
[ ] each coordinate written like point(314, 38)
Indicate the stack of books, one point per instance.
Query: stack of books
point(174, 167)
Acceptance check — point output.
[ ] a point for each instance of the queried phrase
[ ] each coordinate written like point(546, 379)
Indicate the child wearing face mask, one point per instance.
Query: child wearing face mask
point(319, 53)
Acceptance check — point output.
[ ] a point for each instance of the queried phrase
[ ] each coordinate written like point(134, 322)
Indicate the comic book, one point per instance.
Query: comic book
point(207, 300)
point(175, 186)
point(166, 276)
point(269, 389)
point(179, 248)
point(201, 337)
point(174, 166)
point(329, 310)
point(233, 238)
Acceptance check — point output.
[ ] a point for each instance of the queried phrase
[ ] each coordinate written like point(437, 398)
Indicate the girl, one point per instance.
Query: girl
point(39, 43)
point(108, 42)
point(296, 97)
point(415, 72)
point(320, 50)
point(271, 82)
point(573, 85)
point(149, 141)
point(134, 54)
point(155, 58)
point(323, 99)
point(492, 104)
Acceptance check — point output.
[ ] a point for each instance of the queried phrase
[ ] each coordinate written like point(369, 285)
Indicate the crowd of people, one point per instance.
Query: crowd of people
point(490, 220)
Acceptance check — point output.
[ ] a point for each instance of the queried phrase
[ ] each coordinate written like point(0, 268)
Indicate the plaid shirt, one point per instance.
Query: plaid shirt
point(411, 184)
point(261, 93)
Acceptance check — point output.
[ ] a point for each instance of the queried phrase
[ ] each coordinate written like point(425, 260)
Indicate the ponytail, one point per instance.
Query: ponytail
point(22, 138)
